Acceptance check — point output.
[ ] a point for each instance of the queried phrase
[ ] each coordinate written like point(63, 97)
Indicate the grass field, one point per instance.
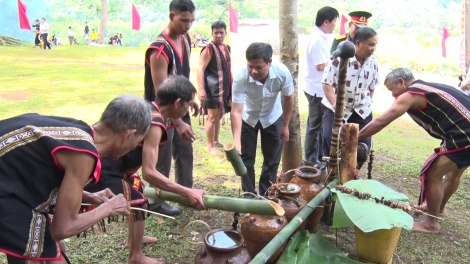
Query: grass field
point(79, 81)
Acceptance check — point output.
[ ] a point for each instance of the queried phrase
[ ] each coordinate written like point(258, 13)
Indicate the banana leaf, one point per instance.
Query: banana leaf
point(305, 248)
point(368, 215)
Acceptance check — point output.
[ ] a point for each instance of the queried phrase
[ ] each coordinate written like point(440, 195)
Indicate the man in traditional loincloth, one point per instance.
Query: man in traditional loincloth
point(44, 163)
point(169, 55)
point(444, 112)
point(172, 102)
point(214, 78)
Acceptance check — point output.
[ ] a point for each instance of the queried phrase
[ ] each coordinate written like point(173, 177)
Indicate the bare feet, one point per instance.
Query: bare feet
point(426, 227)
point(214, 151)
point(146, 260)
point(218, 144)
point(146, 240)
point(424, 208)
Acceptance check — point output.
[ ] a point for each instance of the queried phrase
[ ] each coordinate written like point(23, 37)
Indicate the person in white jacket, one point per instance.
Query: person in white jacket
point(70, 34)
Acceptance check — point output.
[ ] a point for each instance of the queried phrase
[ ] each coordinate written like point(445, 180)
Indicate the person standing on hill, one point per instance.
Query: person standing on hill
point(94, 36)
point(169, 55)
point(44, 30)
point(318, 56)
point(70, 34)
point(37, 39)
point(214, 78)
point(86, 36)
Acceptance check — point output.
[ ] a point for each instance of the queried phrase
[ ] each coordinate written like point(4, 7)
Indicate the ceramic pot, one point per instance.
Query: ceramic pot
point(259, 230)
point(229, 248)
point(287, 192)
point(308, 178)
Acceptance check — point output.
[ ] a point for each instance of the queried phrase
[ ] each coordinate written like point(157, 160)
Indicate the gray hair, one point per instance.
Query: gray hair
point(397, 74)
point(127, 112)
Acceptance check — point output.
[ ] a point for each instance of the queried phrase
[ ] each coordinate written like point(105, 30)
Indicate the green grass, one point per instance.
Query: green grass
point(79, 81)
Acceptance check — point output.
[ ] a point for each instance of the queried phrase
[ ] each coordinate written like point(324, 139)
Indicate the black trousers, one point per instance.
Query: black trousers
point(44, 39)
point(182, 153)
point(328, 119)
point(271, 147)
point(314, 131)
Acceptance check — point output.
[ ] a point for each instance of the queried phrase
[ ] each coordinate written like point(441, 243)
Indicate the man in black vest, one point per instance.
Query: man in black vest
point(444, 112)
point(169, 55)
point(44, 163)
point(214, 79)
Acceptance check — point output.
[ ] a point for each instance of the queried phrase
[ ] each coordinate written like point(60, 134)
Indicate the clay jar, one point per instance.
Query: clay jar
point(259, 230)
point(229, 248)
point(292, 208)
point(308, 178)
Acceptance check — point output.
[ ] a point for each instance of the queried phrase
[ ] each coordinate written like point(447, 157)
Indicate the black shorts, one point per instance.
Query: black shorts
point(461, 157)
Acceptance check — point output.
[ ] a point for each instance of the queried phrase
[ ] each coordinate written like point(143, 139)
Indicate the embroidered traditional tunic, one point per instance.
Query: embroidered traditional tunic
point(218, 78)
point(30, 178)
point(446, 115)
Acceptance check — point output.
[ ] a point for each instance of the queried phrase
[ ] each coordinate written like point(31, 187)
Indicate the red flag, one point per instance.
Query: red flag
point(445, 35)
point(24, 21)
point(342, 30)
point(135, 18)
point(233, 19)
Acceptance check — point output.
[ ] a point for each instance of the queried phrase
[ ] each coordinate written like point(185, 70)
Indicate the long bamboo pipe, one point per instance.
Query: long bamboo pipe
point(259, 207)
point(290, 228)
point(346, 50)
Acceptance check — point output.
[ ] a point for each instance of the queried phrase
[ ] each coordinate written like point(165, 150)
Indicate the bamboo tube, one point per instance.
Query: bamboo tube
point(348, 165)
point(232, 155)
point(259, 207)
point(289, 229)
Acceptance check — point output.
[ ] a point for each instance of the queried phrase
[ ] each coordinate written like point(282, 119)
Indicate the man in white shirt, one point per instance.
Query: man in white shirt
point(44, 30)
point(70, 34)
point(361, 80)
point(318, 56)
point(256, 107)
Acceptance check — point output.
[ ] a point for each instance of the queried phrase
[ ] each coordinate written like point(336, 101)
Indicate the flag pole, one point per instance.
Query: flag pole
point(132, 41)
point(21, 36)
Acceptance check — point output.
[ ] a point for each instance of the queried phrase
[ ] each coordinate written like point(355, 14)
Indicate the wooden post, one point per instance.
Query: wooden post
point(339, 109)
point(348, 165)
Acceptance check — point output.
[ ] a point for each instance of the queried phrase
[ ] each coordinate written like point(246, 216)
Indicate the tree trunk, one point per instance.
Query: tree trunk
point(104, 21)
point(292, 153)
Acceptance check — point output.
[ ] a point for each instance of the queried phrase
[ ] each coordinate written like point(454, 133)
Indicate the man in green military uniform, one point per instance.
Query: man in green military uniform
point(358, 19)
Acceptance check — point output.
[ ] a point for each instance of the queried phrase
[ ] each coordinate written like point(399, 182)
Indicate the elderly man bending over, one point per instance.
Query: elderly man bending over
point(44, 163)
point(444, 112)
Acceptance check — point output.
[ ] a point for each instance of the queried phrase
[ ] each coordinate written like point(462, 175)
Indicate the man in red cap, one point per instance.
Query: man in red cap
point(358, 19)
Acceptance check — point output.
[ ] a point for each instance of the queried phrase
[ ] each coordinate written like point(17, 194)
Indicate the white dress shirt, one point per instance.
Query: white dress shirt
point(262, 102)
point(360, 81)
point(44, 28)
point(317, 53)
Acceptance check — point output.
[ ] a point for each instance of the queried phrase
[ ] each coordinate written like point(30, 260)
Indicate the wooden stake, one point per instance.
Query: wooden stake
point(339, 109)
point(348, 166)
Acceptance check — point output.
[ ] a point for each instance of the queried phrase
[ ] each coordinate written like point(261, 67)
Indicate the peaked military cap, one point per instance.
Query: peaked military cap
point(360, 18)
